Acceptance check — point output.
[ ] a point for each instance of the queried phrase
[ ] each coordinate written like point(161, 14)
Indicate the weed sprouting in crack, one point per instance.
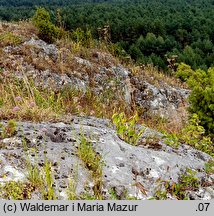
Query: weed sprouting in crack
point(72, 185)
point(93, 162)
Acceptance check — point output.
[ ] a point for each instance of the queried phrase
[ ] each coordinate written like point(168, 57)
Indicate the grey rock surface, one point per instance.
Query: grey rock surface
point(48, 49)
point(125, 168)
point(164, 101)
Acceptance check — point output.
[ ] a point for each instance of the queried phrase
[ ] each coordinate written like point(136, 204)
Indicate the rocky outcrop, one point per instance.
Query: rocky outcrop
point(51, 67)
point(130, 171)
point(164, 101)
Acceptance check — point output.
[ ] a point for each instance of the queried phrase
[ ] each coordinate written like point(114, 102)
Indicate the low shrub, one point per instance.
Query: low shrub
point(47, 30)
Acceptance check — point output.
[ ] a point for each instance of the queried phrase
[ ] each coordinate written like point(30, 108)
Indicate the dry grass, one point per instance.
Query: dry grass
point(18, 101)
point(23, 28)
point(155, 77)
point(174, 125)
point(23, 101)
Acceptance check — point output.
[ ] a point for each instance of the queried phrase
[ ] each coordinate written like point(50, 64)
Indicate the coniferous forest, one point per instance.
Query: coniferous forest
point(150, 31)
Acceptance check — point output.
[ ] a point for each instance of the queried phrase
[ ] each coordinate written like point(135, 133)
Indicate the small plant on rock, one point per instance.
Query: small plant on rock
point(171, 140)
point(41, 179)
point(127, 128)
point(48, 192)
point(72, 185)
point(16, 190)
point(8, 130)
point(93, 163)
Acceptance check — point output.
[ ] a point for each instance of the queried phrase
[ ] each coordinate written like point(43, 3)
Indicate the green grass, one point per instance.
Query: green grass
point(93, 162)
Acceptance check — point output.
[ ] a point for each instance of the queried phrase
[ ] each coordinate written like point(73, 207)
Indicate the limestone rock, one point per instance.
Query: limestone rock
point(127, 168)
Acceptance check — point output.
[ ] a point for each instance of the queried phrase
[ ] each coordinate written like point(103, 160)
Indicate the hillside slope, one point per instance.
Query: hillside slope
point(62, 143)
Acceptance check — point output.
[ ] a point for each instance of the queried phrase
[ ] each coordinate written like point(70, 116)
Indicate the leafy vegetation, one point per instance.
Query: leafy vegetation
point(127, 128)
point(194, 134)
point(40, 180)
point(201, 97)
point(171, 139)
point(13, 190)
point(209, 167)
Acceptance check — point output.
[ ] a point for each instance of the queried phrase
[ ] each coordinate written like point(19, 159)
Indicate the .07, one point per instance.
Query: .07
point(203, 206)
